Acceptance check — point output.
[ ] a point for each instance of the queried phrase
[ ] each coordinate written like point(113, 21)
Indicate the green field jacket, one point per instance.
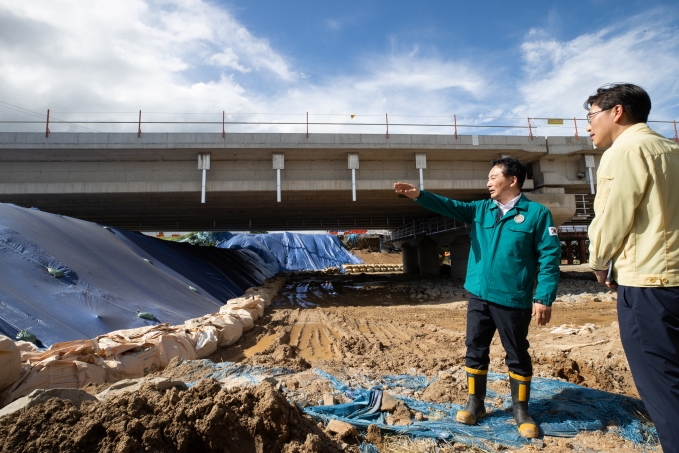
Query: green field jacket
point(505, 254)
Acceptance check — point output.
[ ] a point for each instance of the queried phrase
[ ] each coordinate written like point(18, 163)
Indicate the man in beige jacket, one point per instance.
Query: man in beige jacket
point(636, 228)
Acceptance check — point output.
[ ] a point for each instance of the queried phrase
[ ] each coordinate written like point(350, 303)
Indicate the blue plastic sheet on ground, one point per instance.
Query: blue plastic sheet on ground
point(294, 251)
point(106, 278)
point(560, 408)
point(223, 370)
point(366, 447)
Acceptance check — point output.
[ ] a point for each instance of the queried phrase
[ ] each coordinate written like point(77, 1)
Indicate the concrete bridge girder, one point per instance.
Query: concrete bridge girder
point(153, 182)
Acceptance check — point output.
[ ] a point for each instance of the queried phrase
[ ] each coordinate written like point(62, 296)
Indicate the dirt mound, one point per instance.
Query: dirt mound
point(448, 388)
point(279, 353)
point(205, 418)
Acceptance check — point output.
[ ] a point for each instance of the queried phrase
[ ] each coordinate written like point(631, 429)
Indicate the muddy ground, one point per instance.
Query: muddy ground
point(379, 324)
point(349, 326)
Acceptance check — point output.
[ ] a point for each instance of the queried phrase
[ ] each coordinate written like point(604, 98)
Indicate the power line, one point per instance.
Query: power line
point(17, 108)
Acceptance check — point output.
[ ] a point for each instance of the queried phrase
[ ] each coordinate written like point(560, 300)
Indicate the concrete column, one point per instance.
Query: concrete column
point(421, 164)
point(409, 256)
point(278, 160)
point(569, 251)
point(204, 165)
point(459, 257)
point(583, 251)
point(589, 163)
point(353, 166)
point(428, 257)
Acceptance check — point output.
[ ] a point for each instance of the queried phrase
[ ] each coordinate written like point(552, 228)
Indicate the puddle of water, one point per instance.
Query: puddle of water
point(261, 346)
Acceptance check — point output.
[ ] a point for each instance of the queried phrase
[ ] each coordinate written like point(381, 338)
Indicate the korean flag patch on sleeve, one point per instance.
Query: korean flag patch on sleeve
point(553, 231)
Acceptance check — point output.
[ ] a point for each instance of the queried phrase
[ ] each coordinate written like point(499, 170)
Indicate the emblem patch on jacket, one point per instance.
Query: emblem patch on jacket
point(519, 218)
point(553, 231)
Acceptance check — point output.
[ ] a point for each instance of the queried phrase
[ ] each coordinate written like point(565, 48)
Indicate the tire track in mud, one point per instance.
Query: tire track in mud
point(373, 324)
point(354, 322)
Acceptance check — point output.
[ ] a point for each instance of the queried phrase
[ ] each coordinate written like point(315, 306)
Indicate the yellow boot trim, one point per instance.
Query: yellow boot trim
point(522, 392)
point(528, 430)
point(466, 418)
point(471, 385)
point(518, 377)
point(477, 372)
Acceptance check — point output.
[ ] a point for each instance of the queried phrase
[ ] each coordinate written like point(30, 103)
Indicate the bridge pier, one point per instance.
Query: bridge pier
point(459, 257)
point(583, 251)
point(409, 255)
point(428, 254)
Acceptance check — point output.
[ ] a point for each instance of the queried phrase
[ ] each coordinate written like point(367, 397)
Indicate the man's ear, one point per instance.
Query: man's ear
point(515, 182)
point(619, 113)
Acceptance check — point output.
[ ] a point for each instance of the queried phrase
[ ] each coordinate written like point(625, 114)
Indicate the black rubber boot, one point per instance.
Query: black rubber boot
point(476, 386)
point(520, 386)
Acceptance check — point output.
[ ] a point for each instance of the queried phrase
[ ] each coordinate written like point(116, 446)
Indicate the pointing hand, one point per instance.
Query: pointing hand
point(406, 189)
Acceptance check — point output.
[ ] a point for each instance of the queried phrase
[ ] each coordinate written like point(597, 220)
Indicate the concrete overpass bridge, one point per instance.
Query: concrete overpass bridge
point(152, 181)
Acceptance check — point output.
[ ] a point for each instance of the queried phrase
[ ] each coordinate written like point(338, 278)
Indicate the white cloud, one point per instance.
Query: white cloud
point(560, 75)
point(192, 56)
point(172, 56)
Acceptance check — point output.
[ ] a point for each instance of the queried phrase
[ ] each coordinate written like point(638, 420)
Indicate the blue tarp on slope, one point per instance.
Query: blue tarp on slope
point(294, 251)
point(106, 280)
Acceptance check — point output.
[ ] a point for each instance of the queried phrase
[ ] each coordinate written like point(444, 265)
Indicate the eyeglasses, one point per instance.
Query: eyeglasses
point(592, 115)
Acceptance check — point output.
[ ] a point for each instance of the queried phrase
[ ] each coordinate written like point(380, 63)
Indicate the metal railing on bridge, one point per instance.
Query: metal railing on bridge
point(426, 227)
point(211, 122)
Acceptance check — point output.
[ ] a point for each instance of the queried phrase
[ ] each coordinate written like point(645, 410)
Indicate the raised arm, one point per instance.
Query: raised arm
point(459, 210)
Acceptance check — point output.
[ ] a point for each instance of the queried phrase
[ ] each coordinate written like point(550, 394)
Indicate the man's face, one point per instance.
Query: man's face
point(500, 186)
point(601, 126)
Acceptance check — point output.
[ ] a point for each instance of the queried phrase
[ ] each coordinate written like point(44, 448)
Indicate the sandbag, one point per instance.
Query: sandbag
point(230, 329)
point(48, 374)
point(81, 349)
point(249, 301)
point(132, 365)
point(261, 293)
point(251, 308)
point(206, 341)
point(27, 350)
point(90, 373)
point(244, 316)
point(119, 341)
point(173, 345)
point(10, 362)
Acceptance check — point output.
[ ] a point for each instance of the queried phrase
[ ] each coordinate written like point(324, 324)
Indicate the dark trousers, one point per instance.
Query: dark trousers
point(483, 319)
point(649, 329)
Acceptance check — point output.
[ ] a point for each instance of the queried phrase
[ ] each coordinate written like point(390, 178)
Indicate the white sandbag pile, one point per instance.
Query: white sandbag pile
point(372, 268)
point(128, 354)
point(10, 362)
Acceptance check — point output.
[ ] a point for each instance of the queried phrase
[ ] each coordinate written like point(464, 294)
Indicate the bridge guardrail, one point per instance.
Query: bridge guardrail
point(427, 227)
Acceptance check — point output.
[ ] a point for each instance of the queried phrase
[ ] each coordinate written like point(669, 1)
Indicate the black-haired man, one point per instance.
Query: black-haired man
point(510, 235)
point(637, 227)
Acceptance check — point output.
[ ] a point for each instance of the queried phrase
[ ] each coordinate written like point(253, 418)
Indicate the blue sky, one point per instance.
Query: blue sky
point(492, 62)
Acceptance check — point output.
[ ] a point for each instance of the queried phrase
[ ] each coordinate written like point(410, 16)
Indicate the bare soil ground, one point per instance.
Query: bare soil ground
point(356, 327)
point(378, 257)
point(373, 325)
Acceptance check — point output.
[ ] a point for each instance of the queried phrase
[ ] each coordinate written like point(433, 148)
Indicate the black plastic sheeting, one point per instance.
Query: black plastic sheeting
point(106, 279)
point(218, 273)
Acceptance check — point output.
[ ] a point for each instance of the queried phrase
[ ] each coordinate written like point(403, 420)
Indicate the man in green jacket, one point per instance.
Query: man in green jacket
point(510, 236)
